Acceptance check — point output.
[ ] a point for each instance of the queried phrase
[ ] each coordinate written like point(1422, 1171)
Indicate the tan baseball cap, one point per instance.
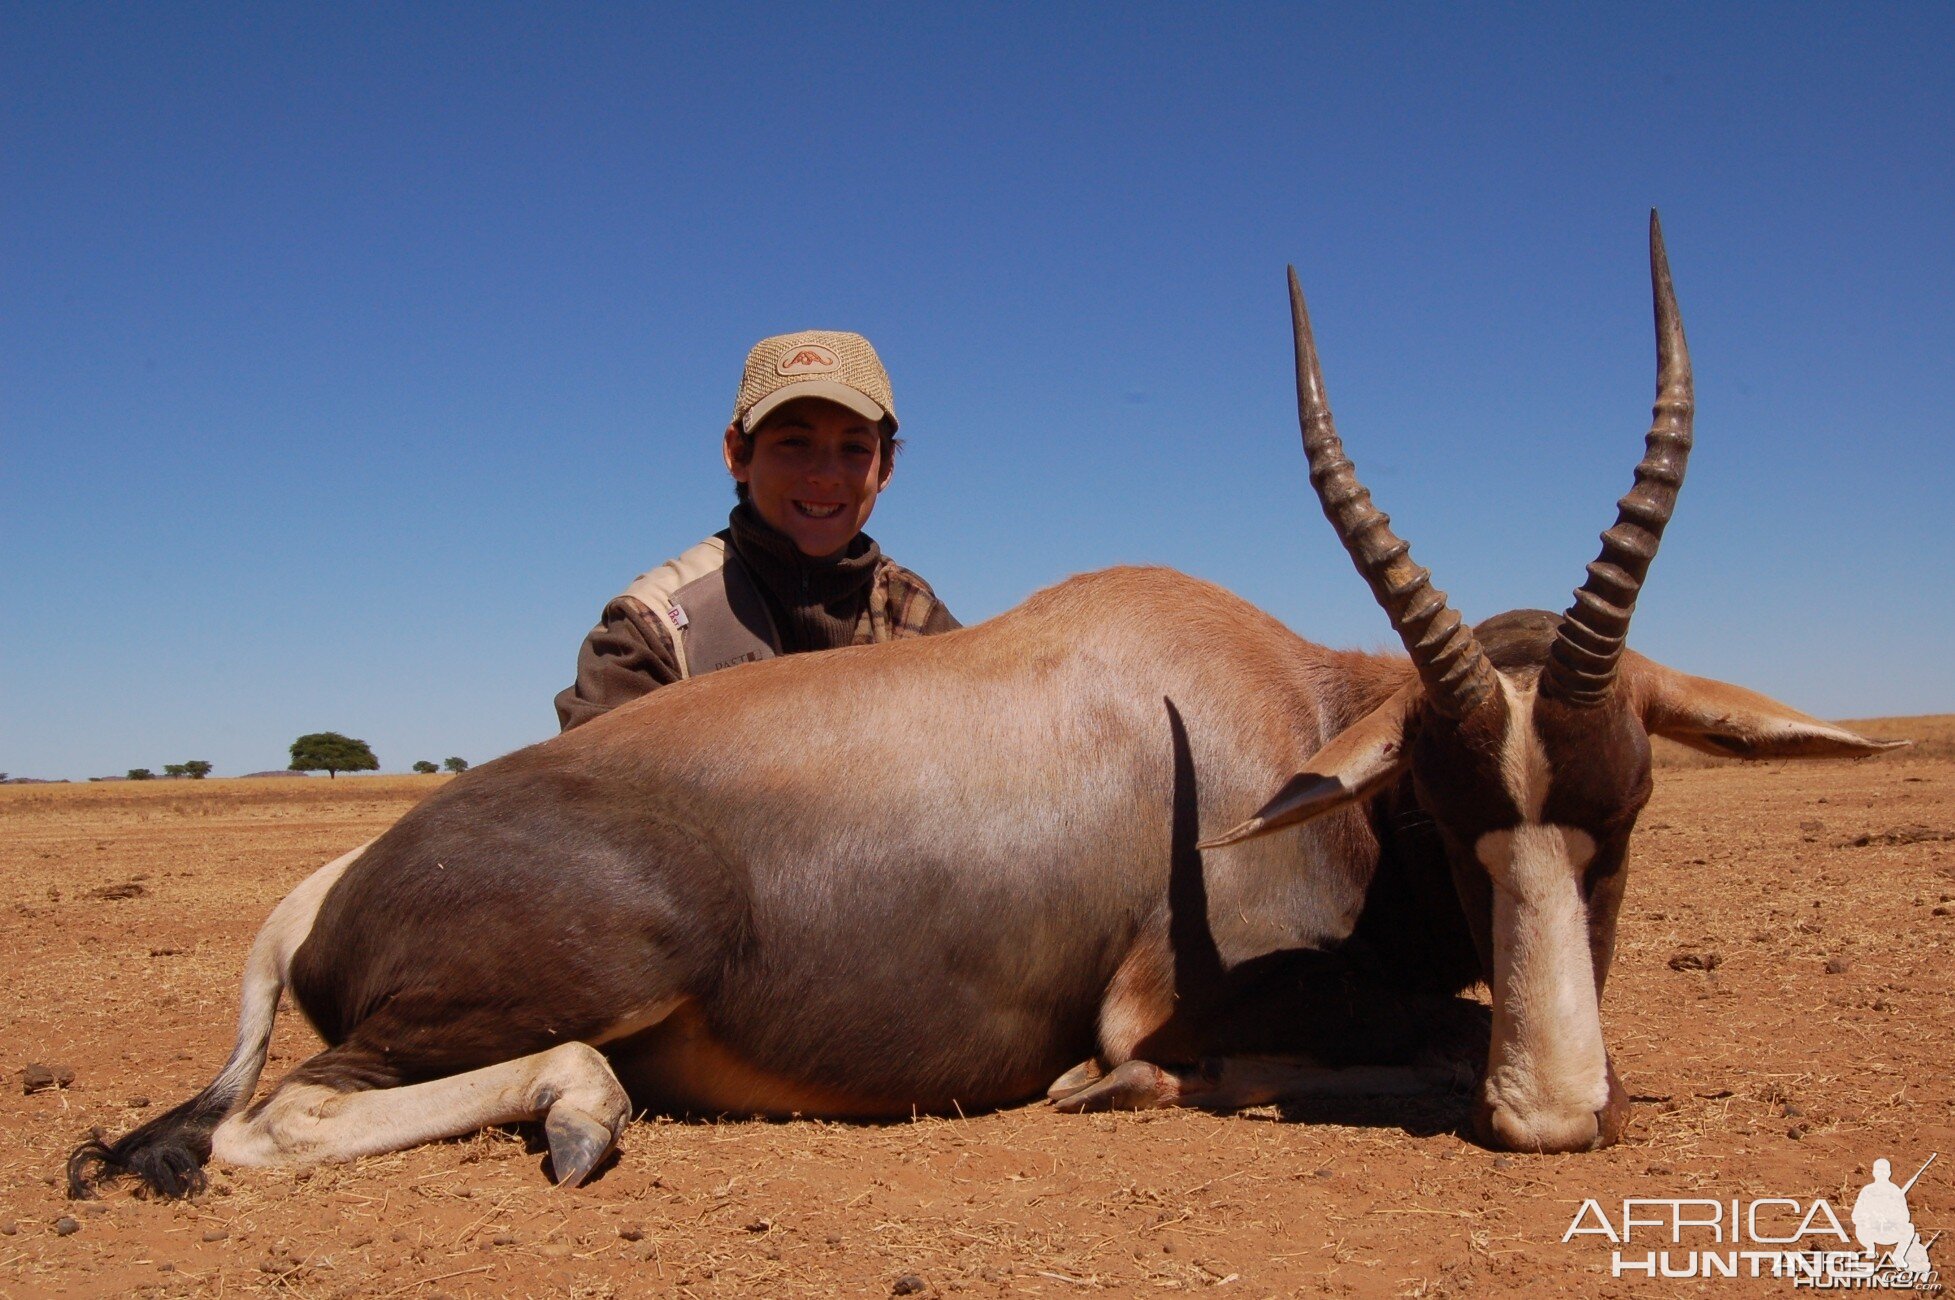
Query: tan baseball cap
point(833, 365)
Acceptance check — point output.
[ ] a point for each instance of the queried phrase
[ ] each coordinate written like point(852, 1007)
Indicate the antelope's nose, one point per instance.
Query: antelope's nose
point(1613, 1119)
point(1551, 1132)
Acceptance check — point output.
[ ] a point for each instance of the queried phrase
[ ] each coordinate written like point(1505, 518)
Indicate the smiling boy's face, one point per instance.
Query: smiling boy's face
point(814, 474)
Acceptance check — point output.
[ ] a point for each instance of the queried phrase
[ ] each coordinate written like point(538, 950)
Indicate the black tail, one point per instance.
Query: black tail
point(167, 1154)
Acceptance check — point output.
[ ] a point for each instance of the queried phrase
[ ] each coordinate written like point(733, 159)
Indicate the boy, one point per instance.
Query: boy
point(811, 445)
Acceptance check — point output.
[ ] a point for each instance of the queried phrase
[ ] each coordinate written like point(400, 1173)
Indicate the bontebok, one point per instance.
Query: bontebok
point(958, 871)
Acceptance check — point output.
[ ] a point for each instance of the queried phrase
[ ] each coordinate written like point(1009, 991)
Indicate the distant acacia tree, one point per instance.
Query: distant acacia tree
point(196, 769)
point(455, 764)
point(175, 769)
point(424, 767)
point(331, 753)
point(141, 774)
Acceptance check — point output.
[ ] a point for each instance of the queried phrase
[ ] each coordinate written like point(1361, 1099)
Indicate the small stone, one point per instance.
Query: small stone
point(66, 1227)
point(1836, 966)
point(216, 1234)
point(759, 1225)
point(503, 1239)
point(1503, 1162)
point(1793, 1111)
point(632, 1232)
point(1696, 961)
point(166, 1267)
point(1797, 1132)
point(39, 1078)
point(8, 1228)
point(1938, 911)
point(137, 1102)
point(908, 1284)
point(834, 1239)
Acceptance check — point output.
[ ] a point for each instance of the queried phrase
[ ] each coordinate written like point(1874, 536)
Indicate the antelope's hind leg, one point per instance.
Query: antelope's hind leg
point(1237, 1082)
point(1078, 1079)
point(571, 1088)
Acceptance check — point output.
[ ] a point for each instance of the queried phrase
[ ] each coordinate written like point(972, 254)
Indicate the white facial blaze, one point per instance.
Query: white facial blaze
point(1547, 1070)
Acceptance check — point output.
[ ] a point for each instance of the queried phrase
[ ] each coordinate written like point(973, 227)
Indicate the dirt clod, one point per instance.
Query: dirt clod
point(1899, 835)
point(41, 1078)
point(66, 1227)
point(1696, 961)
point(115, 893)
point(908, 1284)
point(1837, 965)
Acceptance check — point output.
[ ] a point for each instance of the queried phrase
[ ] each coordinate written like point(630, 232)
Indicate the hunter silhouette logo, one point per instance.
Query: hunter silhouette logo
point(806, 359)
point(1880, 1218)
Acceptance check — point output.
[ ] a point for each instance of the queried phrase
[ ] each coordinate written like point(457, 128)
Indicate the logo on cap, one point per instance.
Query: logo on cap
point(807, 358)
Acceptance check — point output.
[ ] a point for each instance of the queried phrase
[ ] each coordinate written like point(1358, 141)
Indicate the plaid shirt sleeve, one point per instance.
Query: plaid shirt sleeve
point(902, 605)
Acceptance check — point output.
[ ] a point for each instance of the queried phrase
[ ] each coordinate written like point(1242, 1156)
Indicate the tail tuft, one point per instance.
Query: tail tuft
point(167, 1154)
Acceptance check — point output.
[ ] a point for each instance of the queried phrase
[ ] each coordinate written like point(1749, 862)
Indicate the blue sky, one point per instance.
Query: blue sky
point(353, 356)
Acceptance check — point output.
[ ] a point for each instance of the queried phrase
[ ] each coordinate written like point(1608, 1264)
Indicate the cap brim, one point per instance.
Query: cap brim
point(825, 389)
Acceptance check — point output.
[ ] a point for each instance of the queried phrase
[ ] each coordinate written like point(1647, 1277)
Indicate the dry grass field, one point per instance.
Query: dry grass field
point(1781, 1008)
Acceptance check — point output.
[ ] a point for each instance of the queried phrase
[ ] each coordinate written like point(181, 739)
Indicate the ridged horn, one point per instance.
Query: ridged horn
point(1581, 668)
point(1456, 674)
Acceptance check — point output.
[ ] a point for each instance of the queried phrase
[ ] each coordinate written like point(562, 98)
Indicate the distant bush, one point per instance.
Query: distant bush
point(424, 767)
point(455, 764)
point(141, 774)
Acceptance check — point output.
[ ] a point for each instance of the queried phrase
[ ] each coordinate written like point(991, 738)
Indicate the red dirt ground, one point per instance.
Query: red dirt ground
point(1818, 894)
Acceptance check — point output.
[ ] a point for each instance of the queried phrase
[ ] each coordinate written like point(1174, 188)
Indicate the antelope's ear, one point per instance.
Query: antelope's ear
point(1719, 718)
point(1358, 759)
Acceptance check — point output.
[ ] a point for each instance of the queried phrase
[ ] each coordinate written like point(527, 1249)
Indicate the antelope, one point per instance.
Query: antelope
point(951, 873)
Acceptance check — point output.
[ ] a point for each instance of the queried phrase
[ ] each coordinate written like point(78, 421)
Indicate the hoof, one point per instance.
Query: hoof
point(1080, 1076)
point(577, 1144)
point(1135, 1085)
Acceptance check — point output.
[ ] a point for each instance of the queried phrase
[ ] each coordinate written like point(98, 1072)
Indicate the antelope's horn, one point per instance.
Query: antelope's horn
point(1581, 668)
point(1456, 674)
